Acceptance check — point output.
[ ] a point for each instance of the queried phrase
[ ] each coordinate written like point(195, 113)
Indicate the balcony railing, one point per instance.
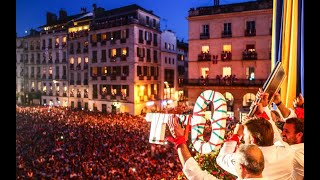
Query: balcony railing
point(250, 32)
point(204, 35)
point(226, 55)
point(204, 57)
point(223, 82)
point(226, 34)
point(249, 55)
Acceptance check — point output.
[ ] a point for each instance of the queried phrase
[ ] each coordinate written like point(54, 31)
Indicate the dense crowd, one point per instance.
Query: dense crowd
point(60, 143)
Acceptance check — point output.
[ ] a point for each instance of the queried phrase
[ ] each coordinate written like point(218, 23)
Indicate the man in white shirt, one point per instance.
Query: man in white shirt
point(293, 134)
point(248, 159)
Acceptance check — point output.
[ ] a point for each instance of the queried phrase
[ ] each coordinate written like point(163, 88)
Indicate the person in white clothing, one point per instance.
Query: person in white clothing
point(293, 134)
point(278, 156)
point(248, 160)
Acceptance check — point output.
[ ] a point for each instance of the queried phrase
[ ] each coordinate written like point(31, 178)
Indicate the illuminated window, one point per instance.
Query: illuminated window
point(226, 71)
point(65, 89)
point(104, 36)
point(94, 38)
point(71, 60)
point(250, 73)
point(124, 51)
point(86, 60)
point(79, 60)
point(205, 49)
point(64, 39)
point(57, 41)
point(50, 70)
point(113, 52)
point(94, 71)
point(104, 71)
point(227, 47)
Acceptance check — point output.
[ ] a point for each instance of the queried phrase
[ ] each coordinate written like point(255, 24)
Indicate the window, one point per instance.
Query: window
point(251, 25)
point(205, 49)
point(250, 73)
point(103, 55)
point(72, 60)
point(227, 31)
point(94, 56)
point(154, 23)
point(226, 71)
point(227, 48)
point(147, 20)
point(205, 29)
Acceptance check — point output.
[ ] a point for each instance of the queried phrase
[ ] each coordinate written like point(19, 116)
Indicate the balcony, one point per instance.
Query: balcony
point(103, 42)
point(71, 67)
point(78, 67)
point(123, 77)
point(85, 66)
point(113, 77)
point(155, 43)
point(85, 82)
point(250, 32)
point(71, 82)
point(227, 81)
point(123, 58)
point(64, 77)
point(226, 56)
point(226, 34)
point(249, 55)
point(56, 77)
point(78, 51)
point(204, 56)
point(204, 35)
point(103, 77)
point(64, 94)
point(123, 40)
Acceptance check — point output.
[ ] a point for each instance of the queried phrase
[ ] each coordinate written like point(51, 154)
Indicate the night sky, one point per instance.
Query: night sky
point(173, 13)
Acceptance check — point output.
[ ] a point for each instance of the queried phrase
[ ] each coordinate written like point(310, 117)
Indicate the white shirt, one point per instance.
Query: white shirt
point(192, 171)
point(278, 160)
point(298, 162)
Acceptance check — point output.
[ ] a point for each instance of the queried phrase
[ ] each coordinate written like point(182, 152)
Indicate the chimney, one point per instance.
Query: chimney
point(62, 14)
point(51, 18)
point(83, 10)
point(216, 3)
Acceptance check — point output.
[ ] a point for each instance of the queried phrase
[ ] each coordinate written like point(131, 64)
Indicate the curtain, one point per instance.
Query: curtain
point(287, 46)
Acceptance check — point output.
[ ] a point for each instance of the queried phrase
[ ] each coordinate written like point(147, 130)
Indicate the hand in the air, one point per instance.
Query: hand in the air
point(299, 101)
point(174, 126)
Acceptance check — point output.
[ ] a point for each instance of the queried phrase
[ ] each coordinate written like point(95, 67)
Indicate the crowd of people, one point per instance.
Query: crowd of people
point(60, 143)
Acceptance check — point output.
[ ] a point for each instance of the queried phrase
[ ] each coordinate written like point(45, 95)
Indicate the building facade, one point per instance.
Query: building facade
point(230, 52)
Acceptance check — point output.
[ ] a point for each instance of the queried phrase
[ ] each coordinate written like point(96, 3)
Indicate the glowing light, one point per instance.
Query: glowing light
point(170, 101)
point(164, 103)
point(150, 103)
